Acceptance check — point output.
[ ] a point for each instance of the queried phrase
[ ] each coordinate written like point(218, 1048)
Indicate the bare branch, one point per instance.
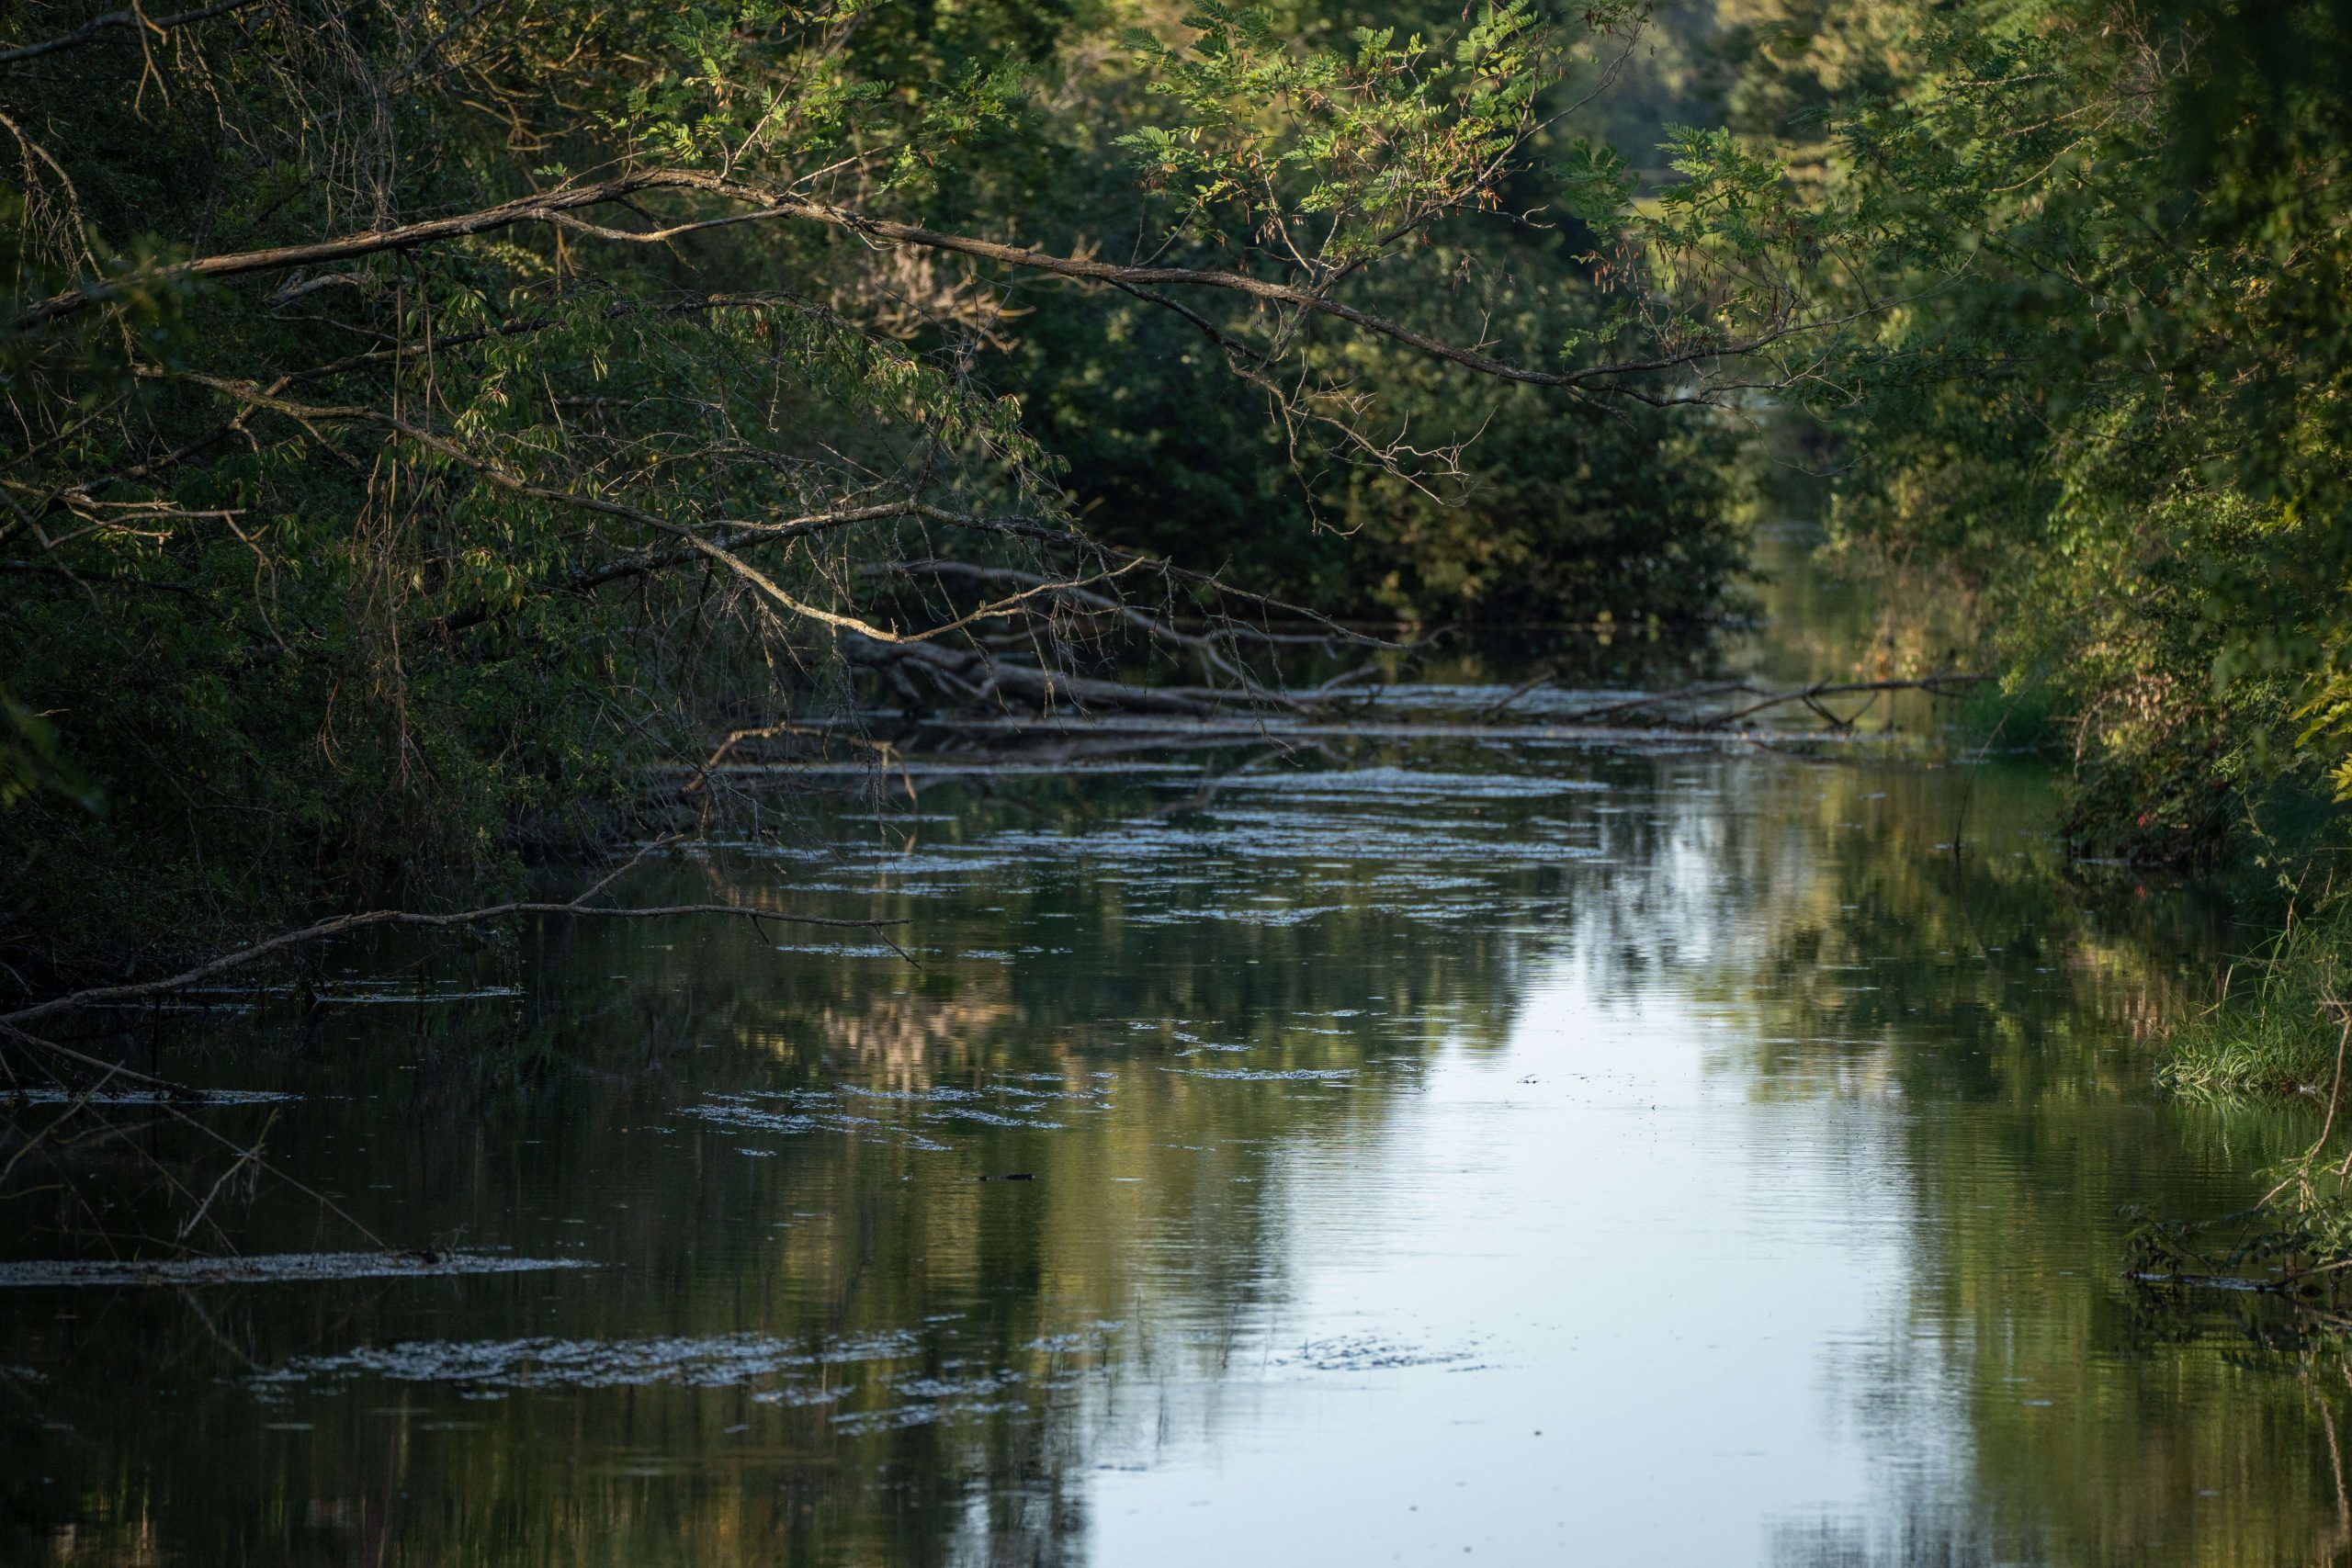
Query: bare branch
point(136, 990)
point(130, 21)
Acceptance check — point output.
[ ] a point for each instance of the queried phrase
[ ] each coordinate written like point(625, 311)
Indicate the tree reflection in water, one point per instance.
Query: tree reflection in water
point(1245, 1055)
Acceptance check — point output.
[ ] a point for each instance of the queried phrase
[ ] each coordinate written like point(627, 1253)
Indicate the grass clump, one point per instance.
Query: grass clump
point(2283, 1028)
point(2282, 1034)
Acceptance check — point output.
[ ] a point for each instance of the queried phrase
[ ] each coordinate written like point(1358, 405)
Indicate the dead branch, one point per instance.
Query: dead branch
point(973, 678)
point(101, 995)
point(251, 1155)
point(1206, 645)
point(127, 21)
point(1934, 685)
point(1179, 729)
point(886, 754)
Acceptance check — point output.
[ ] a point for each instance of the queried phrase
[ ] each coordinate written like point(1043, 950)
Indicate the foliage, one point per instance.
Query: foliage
point(1536, 518)
point(1379, 135)
point(2278, 1030)
point(2109, 252)
point(428, 421)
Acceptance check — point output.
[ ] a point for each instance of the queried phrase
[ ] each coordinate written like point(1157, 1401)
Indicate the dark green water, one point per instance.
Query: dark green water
point(1644, 1152)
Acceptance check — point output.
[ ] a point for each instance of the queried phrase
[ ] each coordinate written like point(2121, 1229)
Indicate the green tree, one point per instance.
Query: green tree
point(427, 421)
point(2105, 388)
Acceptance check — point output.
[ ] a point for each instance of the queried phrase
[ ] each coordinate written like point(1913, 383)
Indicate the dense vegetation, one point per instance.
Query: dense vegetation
point(2108, 391)
point(2109, 399)
point(424, 419)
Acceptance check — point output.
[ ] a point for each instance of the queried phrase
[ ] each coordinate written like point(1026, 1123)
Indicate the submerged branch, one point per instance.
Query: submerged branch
point(1765, 699)
point(136, 990)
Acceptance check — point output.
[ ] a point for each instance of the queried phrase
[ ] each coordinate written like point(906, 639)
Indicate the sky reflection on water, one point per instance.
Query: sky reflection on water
point(1666, 1155)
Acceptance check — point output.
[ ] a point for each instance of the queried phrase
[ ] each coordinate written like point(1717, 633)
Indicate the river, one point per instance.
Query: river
point(1638, 1150)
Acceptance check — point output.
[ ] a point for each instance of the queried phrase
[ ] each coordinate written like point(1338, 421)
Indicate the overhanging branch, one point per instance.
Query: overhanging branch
point(558, 207)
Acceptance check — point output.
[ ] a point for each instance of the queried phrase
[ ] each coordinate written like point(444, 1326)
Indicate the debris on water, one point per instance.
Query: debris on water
point(269, 1268)
point(1369, 1352)
point(1276, 917)
point(800, 1374)
point(723, 1360)
point(1095, 1335)
point(899, 1417)
point(739, 1113)
point(1013, 1175)
point(800, 1396)
point(391, 993)
point(933, 1389)
point(839, 950)
point(1271, 1074)
point(1196, 1043)
point(952, 1103)
point(803, 1110)
point(989, 1118)
point(189, 1100)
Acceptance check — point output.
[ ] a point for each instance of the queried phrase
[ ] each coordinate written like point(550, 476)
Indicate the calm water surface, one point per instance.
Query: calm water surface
point(1655, 1152)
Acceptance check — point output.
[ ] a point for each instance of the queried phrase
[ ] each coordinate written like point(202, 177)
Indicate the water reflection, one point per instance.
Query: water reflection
point(1678, 1154)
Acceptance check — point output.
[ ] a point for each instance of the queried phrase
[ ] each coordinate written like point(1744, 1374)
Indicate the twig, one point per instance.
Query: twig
point(341, 923)
point(252, 1155)
point(1809, 696)
point(97, 26)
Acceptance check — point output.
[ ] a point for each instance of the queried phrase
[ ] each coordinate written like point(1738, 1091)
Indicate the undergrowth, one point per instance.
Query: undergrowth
point(2281, 1025)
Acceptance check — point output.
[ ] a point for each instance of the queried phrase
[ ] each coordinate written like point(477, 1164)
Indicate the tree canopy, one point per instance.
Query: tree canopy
point(426, 416)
